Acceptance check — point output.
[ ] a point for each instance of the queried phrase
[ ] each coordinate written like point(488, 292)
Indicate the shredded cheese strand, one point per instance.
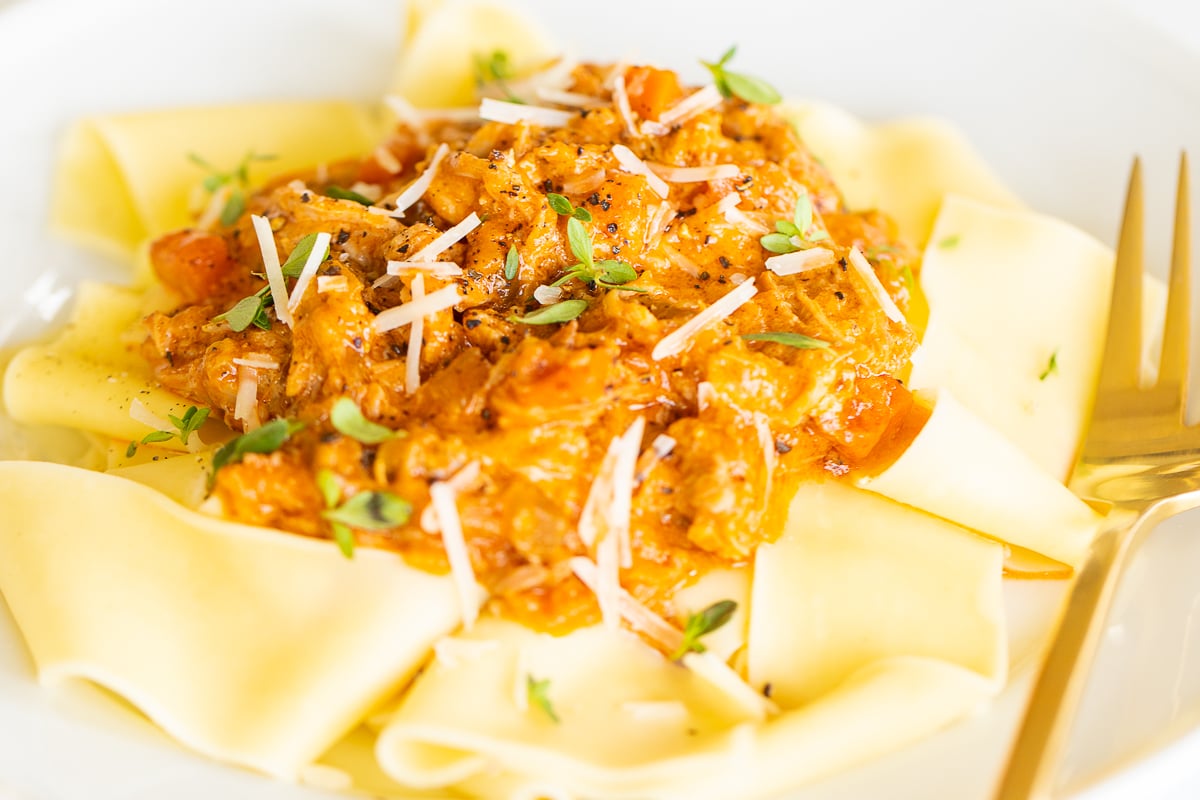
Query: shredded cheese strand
point(270, 257)
point(867, 273)
point(442, 497)
point(513, 113)
point(406, 313)
point(438, 269)
point(637, 615)
point(416, 335)
point(622, 490)
point(245, 407)
point(417, 189)
point(696, 103)
point(139, 413)
point(448, 239)
point(547, 295)
point(677, 340)
point(801, 261)
point(635, 166)
point(333, 283)
point(713, 172)
point(257, 361)
point(387, 160)
point(585, 184)
point(308, 272)
point(621, 101)
point(460, 481)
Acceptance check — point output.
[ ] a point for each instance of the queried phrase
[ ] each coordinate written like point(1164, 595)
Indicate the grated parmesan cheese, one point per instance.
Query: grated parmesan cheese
point(547, 295)
point(438, 269)
point(448, 239)
point(585, 184)
point(442, 497)
point(245, 407)
point(140, 414)
point(622, 481)
point(387, 160)
point(406, 313)
point(258, 361)
point(512, 113)
point(801, 261)
point(270, 257)
point(714, 172)
point(460, 481)
point(621, 101)
point(417, 189)
point(416, 336)
point(728, 207)
point(635, 166)
point(717, 673)
point(696, 103)
point(762, 426)
point(637, 615)
point(308, 272)
point(333, 283)
point(867, 273)
point(216, 204)
point(676, 341)
point(706, 395)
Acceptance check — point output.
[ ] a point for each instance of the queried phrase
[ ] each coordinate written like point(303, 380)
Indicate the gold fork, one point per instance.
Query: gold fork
point(1140, 458)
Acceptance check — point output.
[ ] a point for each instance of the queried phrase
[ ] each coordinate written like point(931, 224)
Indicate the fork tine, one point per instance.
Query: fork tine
point(1121, 365)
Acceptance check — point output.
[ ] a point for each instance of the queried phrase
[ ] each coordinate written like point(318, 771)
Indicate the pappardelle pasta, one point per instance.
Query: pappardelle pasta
point(603, 438)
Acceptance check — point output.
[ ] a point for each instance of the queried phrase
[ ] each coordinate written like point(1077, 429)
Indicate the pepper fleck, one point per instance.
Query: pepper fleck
point(612, 227)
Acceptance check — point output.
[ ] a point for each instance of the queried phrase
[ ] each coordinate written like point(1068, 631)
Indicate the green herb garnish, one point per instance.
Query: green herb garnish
point(331, 492)
point(539, 695)
point(252, 310)
point(609, 273)
point(371, 511)
point(338, 193)
point(185, 426)
point(563, 311)
point(562, 205)
point(348, 420)
point(796, 233)
point(495, 69)
point(237, 179)
point(702, 624)
point(512, 262)
point(950, 242)
point(267, 439)
point(1051, 367)
point(797, 340)
point(750, 89)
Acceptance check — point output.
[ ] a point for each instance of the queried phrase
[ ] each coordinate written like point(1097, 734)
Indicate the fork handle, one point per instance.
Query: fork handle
point(1036, 753)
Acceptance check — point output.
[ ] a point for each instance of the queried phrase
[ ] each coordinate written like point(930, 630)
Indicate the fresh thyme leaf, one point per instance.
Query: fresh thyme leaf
point(348, 420)
point(802, 215)
point(562, 206)
point(610, 272)
point(751, 89)
point(327, 484)
point(580, 240)
point(1051, 367)
point(331, 492)
point(563, 311)
point(539, 695)
point(949, 242)
point(185, 426)
point(267, 439)
point(338, 193)
point(495, 69)
point(701, 624)
point(780, 243)
point(797, 340)
point(747, 87)
point(234, 207)
point(299, 256)
point(909, 279)
point(372, 511)
point(237, 178)
point(559, 204)
point(512, 263)
point(246, 312)
point(787, 228)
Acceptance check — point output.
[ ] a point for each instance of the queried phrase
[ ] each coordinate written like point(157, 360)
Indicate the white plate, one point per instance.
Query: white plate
point(1057, 98)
